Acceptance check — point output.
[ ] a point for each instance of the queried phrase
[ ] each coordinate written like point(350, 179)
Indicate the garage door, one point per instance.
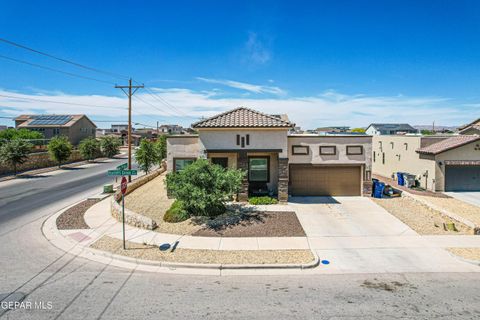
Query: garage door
point(462, 178)
point(310, 180)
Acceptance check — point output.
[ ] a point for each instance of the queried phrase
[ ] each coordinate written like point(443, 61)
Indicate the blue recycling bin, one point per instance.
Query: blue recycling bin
point(374, 183)
point(400, 180)
point(379, 187)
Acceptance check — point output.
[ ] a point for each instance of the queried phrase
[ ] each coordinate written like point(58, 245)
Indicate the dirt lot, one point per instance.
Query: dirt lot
point(149, 252)
point(466, 253)
point(420, 217)
point(73, 217)
point(458, 207)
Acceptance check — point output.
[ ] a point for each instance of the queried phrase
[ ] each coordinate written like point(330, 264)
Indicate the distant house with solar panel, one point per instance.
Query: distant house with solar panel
point(76, 126)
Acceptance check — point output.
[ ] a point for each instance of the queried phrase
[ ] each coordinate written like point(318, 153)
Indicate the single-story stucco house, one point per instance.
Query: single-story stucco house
point(440, 163)
point(276, 162)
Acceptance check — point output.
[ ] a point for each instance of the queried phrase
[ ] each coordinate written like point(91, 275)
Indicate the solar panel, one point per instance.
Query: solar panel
point(50, 120)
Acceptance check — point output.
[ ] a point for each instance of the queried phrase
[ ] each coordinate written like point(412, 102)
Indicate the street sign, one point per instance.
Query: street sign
point(122, 166)
point(123, 185)
point(122, 172)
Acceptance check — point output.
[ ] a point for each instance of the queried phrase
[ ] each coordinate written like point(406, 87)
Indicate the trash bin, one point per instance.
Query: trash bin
point(400, 180)
point(408, 180)
point(379, 190)
point(374, 182)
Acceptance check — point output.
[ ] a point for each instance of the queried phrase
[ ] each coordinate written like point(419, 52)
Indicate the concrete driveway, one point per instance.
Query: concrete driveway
point(355, 235)
point(472, 197)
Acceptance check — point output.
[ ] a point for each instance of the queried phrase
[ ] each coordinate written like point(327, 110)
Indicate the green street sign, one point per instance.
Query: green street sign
point(122, 166)
point(122, 172)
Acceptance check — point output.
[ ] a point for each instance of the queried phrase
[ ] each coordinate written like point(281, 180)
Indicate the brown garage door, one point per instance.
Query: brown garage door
point(310, 180)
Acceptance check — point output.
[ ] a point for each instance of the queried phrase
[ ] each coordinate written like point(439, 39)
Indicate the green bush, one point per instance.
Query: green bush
point(59, 149)
point(110, 146)
point(12, 134)
point(176, 213)
point(89, 148)
point(204, 188)
point(161, 146)
point(146, 155)
point(14, 152)
point(262, 200)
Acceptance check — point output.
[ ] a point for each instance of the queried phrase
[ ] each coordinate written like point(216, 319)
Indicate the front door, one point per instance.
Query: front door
point(223, 162)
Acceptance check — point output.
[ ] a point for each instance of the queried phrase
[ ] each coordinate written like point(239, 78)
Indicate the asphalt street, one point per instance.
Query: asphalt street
point(55, 285)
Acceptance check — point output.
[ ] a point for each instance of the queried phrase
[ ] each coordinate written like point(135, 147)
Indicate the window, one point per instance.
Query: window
point(248, 139)
point(223, 162)
point(383, 157)
point(238, 139)
point(258, 169)
point(180, 164)
point(299, 150)
point(391, 143)
point(374, 156)
point(56, 131)
point(328, 150)
point(406, 146)
point(243, 142)
point(354, 150)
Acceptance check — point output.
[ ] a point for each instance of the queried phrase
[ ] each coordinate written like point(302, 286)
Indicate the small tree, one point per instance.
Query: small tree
point(204, 188)
point(60, 149)
point(110, 146)
point(14, 152)
point(23, 133)
point(161, 145)
point(146, 155)
point(359, 130)
point(89, 148)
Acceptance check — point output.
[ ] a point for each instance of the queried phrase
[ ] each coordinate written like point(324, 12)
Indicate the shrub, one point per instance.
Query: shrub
point(146, 155)
point(204, 188)
point(59, 149)
point(89, 148)
point(110, 146)
point(14, 152)
point(11, 134)
point(262, 200)
point(176, 213)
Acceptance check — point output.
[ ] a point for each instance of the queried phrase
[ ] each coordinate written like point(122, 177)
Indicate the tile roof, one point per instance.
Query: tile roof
point(243, 118)
point(393, 126)
point(448, 144)
point(474, 123)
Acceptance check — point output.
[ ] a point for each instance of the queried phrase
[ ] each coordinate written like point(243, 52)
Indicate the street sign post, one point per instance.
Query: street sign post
point(123, 188)
point(122, 172)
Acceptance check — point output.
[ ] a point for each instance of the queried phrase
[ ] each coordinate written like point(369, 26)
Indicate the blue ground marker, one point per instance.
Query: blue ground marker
point(325, 262)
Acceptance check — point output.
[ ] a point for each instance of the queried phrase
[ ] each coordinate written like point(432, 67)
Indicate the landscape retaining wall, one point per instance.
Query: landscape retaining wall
point(39, 160)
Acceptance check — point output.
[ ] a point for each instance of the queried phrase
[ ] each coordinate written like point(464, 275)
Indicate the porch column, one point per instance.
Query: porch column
point(243, 164)
point(283, 180)
point(367, 183)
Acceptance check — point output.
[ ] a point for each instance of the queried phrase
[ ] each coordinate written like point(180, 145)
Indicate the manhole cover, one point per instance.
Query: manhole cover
point(164, 247)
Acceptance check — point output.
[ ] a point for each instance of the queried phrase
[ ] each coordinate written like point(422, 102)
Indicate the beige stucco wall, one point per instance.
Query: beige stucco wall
point(181, 147)
point(225, 139)
point(466, 152)
point(75, 134)
point(340, 142)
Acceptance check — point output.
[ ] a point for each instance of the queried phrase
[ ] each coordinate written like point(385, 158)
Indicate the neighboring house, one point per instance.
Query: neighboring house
point(119, 127)
point(276, 163)
point(439, 163)
point(75, 127)
point(3, 128)
point(376, 129)
point(471, 128)
point(171, 129)
point(326, 130)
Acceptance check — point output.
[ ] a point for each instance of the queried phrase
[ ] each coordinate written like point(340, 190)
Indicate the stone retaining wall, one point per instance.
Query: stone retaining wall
point(132, 218)
point(39, 160)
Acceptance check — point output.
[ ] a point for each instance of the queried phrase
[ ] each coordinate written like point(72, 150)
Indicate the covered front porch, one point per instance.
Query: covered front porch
point(267, 173)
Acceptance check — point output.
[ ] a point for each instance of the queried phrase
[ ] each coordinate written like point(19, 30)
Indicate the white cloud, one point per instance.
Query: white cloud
point(328, 108)
point(245, 86)
point(256, 50)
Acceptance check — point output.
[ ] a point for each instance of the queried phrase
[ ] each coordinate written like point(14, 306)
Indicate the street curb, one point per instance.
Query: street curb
point(58, 240)
point(474, 262)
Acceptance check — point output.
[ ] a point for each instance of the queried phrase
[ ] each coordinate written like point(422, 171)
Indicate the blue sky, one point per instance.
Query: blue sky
point(322, 62)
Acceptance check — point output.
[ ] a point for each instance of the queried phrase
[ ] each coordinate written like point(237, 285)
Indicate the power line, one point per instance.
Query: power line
point(59, 102)
point(154, 106)
point(54, 70)
point(116, 75)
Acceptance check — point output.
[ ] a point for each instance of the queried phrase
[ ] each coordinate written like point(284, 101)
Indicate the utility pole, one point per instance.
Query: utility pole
point(129, 94)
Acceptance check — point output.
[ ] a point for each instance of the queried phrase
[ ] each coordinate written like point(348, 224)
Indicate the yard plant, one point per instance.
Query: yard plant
point(12, 134)
point(161, 145)
point(89, 148)
point(204, 188)
point(60, 149)
point(110, 146)
point(176, 213)
point(146, 155)
point(14, 152)
point(262, 200)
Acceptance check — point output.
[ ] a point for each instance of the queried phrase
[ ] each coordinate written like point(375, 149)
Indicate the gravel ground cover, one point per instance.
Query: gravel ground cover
point(419, 217)
point(458, 207)
point(149, 252)
point(72, 218)
point(466, 253)
point(395, 185)
point(254, 224)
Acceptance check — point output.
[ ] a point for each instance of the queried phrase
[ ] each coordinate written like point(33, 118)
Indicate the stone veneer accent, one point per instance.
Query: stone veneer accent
point(283, 180)
point(242, 163)
point(367, 188)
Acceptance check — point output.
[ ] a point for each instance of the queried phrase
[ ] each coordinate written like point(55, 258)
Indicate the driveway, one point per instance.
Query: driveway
point(357, 236)
point(472, 197)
